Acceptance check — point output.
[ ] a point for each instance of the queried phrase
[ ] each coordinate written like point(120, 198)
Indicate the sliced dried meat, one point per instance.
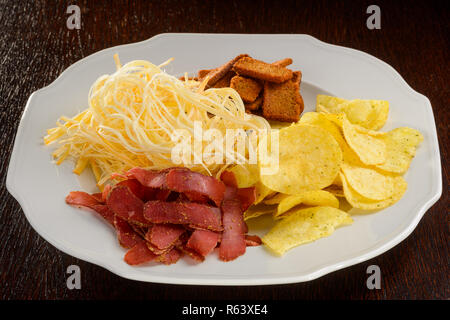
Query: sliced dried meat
point(193, 183)
point(203, 241)
point(126, 205)
point(192, 214)
point(139, 254)
point(232, 243)
point(126, 235)
point(81, 199)
point(229, 179)
point(149, 178)
point(135, 187)
point(170, 257)
point(191, 253)
point(252, 240)
point(164, 236)
point(105, 212)
point(247, 196)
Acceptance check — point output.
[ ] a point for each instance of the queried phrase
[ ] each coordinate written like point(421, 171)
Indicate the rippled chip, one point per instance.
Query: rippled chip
point(369, 182)
point(262, 192)
point(401, 144)
point(361, 202)
point(304, 225)
point(336, 189)
point(259, 210)
point(309, 159)
point(370, 114)
point(246, 175)
point(370, 149)
point(307, 198)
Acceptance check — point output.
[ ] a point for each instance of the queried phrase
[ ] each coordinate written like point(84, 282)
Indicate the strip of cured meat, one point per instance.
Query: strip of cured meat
point(128, 238)
point(164, 236)
point(126, 205)
point(195, 183)
point(232, 244)
point(192, 214)
point(82, 199)
point(139, 254)
point(203, 241)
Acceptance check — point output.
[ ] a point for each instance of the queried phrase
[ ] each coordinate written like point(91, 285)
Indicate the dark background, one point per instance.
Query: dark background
point(36, 46)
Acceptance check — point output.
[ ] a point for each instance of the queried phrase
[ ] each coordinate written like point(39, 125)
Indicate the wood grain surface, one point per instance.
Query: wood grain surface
point(36, 46)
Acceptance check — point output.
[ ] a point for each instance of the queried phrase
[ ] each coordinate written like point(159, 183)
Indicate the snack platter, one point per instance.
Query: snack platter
point(366, 165)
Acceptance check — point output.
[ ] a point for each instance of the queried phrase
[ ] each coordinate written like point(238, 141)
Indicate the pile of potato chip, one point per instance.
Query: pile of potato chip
point(330, 157)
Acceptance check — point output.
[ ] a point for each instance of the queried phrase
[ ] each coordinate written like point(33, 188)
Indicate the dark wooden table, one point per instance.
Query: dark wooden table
point(36, 46)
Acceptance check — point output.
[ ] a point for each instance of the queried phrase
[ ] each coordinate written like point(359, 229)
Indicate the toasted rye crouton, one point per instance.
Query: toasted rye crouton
point(225, 81)
point(218, 73)
point(283, 62)
point(247, 88)
point(282, 101)
point(261, 70)
point(255, 105)
point(297, 77)
point(203, 73)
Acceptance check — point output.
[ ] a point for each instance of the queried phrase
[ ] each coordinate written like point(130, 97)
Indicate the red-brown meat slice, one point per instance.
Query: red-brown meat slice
point(164, 236)
point(139, 254)
point(126, 235)
point(195, 183)
point(80, 199)
point(193, 214)
point(247, 196)
point(203, 241)
point(126, 205)
point(149, 178)
point(252, 240)
point(170, 257)
point(232, 244)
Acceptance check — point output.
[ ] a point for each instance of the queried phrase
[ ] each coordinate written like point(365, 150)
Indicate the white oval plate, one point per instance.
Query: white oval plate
point(40, 186)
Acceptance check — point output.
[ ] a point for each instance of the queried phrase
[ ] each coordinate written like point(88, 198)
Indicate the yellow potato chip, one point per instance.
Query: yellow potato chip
point(361, 202)
point(259, 210)
point(246, 175)
point(332, 123)
point(262, 192)
point(370, 114)
point(370, 183)
point(329, 103)
point(304, 225)
point(309, 159)
point(336, 189)
point(309, 198)
point(276, 199)
point(371, 150)
point(401, 144)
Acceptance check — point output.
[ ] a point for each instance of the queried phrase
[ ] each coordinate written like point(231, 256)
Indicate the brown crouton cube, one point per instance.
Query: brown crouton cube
point(220, 72)
point(247, 88)
point(255, 105)
point(283, 62)
point(261, 70)
point(282, 101)
point(225, 81)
